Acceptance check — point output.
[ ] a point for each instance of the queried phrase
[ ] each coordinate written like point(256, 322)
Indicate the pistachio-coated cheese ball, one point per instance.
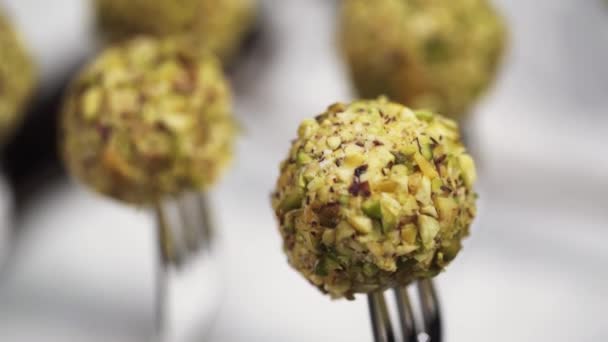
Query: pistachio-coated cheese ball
point(374, 195)
point(17, 78)
point(217, 25)
point(440, 55)
point(148, 119)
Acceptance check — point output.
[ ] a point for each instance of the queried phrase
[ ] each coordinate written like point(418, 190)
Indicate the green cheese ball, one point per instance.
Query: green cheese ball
point(218, 26)
point(17, 78)
point(374, 195)
point(440, 55)
point(148, 119)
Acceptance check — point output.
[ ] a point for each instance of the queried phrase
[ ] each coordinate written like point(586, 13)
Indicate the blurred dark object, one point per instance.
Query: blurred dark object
point(31, 158)
point(256, 55)
point(251, 39)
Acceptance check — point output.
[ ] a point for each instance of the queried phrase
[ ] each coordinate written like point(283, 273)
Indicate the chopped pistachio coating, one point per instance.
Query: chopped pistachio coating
point(148, 119)
point(440, 55)
point(17, 78)
point(219, 26)
point(374, 195)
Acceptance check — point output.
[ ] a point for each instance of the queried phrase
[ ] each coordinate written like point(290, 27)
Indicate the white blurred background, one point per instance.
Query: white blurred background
point(534, 269)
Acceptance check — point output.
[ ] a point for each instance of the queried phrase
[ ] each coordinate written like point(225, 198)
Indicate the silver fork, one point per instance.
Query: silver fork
point(426, 328)
point(184, 230)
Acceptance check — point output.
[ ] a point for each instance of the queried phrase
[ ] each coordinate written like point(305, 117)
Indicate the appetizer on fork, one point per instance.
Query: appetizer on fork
point(148, 119)
point(374, 195)
point(150, 123)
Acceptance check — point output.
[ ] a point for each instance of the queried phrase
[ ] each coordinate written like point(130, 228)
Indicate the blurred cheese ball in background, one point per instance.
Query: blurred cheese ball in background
point(17, 78)
point(219, 26)
point(374, 195)
point(148, 118)
point(439, 55)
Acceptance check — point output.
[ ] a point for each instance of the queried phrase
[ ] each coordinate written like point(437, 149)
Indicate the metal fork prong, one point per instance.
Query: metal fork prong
point(406, 315)
point(381, 322)
point(165, 237)
point(173, 238)
point(431, 314)
point(191, 218)
point(205, 224)
point(186, 227)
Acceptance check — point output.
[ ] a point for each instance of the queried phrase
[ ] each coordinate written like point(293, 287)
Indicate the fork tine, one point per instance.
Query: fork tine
point(431, 313)
point(172, 227)
point(381, 323)
point(165, 238)
point(184, 227)
point(406, 315)
point(206, 221)
point(191, 218)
